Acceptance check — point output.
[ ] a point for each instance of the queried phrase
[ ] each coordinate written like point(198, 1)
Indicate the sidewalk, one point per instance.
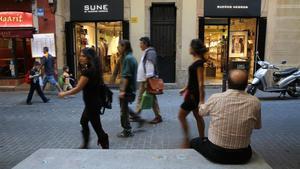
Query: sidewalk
point(25, 129)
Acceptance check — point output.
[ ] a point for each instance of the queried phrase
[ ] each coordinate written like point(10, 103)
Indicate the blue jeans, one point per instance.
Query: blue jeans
point(51, 79)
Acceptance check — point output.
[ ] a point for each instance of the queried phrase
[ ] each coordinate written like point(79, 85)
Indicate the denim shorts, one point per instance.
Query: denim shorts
point(50, 79)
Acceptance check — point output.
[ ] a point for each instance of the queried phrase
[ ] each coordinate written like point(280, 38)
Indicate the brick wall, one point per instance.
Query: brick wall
point(46, 23)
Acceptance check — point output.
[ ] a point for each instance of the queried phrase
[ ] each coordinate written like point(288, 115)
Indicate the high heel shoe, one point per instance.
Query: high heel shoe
point(104, 142)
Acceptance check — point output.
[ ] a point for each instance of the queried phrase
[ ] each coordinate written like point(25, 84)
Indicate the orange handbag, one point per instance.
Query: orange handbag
point(155, 86)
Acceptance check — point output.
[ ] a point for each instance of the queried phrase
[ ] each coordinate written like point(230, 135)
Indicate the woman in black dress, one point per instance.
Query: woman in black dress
point(90, 82)
point(194, 91)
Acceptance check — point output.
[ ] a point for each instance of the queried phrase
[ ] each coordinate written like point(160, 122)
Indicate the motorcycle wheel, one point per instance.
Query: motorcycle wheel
point(252, 89)
point(292, 90)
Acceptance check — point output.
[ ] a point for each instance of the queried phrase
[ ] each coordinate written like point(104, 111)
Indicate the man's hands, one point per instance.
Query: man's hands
point(62, 94)
point(122, 95)
point(55, 72)
point(181, 91)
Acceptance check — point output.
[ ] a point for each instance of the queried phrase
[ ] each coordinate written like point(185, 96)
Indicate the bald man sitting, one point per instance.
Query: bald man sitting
point(233, 116)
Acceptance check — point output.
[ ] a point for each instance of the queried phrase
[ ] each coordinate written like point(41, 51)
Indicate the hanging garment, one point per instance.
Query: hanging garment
point(113, 46)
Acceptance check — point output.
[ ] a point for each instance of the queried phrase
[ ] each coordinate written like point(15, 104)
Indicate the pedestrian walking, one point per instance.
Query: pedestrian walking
point(194, 91)
point(127, 86)
point(147, 69)
point(34, 76)
point(49, 64)
point(90, 81)
point(66, 79)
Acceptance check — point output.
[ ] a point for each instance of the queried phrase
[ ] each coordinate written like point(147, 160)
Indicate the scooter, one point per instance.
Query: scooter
point(269, 78)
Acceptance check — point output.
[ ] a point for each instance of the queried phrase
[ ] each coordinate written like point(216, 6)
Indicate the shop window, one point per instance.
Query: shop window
point(215, 38)
point(232, 38)
point(6, 58)
point(104, 38)
point(20, 57)
point(242, 40)
point(109, 34)
point(15, 57)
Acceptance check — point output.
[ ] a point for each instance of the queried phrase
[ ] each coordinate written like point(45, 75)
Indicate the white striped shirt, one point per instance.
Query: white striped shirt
point(234, 114)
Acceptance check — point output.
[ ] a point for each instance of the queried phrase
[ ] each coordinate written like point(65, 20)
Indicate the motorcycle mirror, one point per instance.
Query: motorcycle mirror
point(283, 62)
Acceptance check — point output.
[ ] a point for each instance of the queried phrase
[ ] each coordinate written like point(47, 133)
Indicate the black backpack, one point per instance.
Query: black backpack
point(106, 97)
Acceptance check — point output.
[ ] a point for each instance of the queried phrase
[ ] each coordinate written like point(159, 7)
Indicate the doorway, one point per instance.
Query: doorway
point(163, 37)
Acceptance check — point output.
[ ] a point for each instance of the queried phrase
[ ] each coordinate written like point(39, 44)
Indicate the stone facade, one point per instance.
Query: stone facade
point(283, 37)
point(283, 20)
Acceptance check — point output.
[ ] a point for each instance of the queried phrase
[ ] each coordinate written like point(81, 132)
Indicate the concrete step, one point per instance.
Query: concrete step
point(128, 159)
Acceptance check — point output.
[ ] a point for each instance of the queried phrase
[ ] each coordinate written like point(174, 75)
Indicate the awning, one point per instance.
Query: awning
point(16, 33)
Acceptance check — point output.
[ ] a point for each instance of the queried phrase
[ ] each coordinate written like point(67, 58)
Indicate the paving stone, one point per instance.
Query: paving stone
point(25, 129)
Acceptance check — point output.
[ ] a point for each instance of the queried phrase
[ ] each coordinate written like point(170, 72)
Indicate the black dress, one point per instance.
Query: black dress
point(91, 89)
point(192, 99)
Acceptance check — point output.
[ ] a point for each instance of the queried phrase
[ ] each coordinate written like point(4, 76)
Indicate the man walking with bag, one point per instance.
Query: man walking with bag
point(147, 69)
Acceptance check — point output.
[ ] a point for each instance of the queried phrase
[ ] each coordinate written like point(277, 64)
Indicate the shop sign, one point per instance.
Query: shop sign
point(134, 19)
point(232, 8)
point(97, 10)
point(16, 19)
point(16, 33)
point(40, 12)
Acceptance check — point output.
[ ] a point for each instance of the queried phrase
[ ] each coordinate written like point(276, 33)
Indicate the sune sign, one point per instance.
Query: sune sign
point(97, 10)
point(232, 8)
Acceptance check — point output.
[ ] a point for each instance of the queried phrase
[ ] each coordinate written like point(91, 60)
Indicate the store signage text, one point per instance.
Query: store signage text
point(16, 33)
point(95, 8)
point(232, 8)
point(16, 19)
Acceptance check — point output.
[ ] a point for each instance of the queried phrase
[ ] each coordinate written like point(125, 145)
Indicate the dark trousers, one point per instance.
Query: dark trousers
point(37, 87)
point(126, 111)
point(91, 114)
point(221, 155)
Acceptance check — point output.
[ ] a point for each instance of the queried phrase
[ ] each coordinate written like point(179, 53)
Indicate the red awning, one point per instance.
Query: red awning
point(20, 33)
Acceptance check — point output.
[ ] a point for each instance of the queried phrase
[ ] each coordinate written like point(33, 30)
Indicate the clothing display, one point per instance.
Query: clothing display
point(103, 48)
point(104, 38)
point(113, 52)
point(113, 46)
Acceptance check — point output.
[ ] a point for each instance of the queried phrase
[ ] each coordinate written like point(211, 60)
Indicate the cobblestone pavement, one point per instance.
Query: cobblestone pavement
point(25, 129)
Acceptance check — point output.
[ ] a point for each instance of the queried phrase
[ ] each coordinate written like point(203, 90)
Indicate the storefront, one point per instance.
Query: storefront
point(98, 24)
point(16, 29)
point(230, 30)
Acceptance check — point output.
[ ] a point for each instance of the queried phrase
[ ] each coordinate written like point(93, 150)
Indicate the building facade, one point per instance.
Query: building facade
point(233, 30)
point(18, 23)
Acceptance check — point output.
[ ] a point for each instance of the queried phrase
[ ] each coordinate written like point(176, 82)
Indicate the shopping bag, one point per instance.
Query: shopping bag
point(155, 86)
point(147, 101)
point(61, 81)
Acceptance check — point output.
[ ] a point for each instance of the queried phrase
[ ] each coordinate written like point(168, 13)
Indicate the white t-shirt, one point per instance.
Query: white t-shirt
point(141, 75)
